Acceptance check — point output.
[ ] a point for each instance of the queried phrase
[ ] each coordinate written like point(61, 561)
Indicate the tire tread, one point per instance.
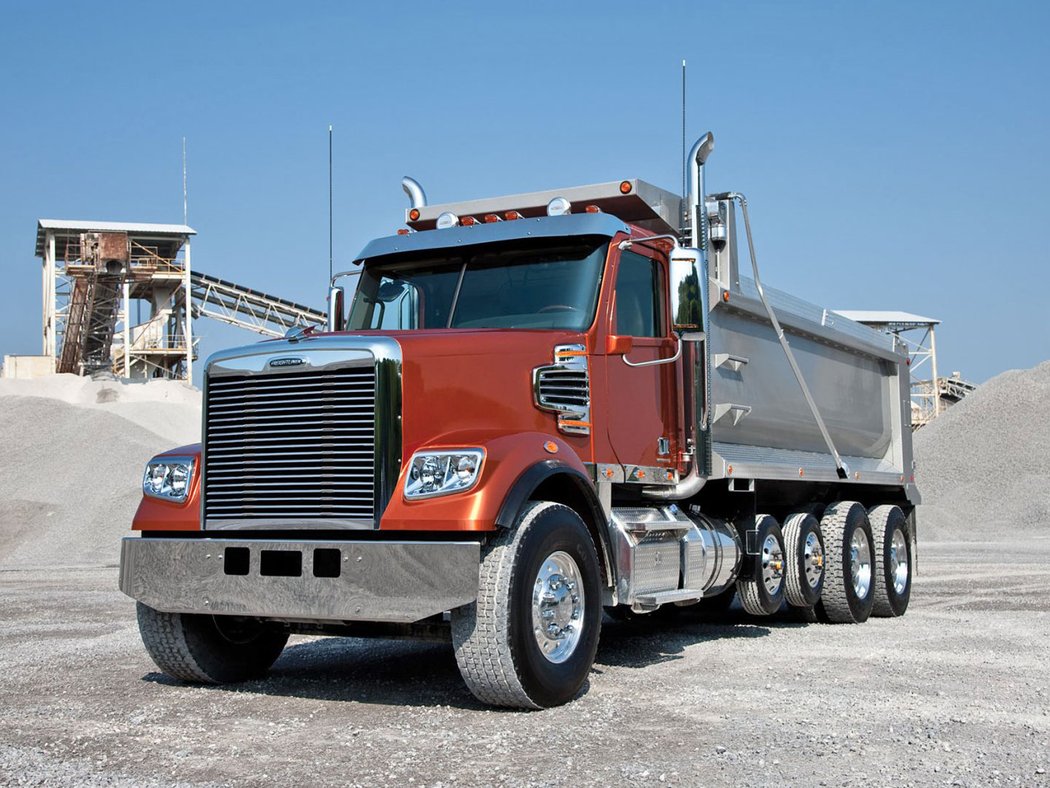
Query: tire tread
point(481, 632)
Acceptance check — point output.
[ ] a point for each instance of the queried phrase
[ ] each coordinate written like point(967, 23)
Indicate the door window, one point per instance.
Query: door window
point(638, 301)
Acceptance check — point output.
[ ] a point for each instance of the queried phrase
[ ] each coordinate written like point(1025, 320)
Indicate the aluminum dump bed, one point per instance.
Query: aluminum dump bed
point(761, 424)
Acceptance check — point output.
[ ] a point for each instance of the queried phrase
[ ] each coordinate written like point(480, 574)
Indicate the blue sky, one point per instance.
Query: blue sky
point(894, 154)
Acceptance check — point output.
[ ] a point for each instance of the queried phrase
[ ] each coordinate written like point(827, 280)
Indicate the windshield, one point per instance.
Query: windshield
point(519, 284)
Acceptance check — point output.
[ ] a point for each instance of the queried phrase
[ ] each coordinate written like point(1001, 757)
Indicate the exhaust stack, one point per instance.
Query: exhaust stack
point(698, 217)
point(414, 191)
point(691, 483)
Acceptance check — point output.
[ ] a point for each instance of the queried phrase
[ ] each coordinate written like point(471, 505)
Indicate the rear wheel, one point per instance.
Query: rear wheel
point(762, 593)
point(849, 583)
point(209, 649)
point(893, 560)
point(804, 545)
point(530, 638)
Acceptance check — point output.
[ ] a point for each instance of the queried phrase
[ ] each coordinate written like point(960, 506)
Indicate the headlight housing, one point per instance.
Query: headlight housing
point(169, 478)
point(432, 473)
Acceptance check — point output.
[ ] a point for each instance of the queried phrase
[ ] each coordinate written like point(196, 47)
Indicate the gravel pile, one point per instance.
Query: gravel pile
point(74, 450)
point(986, 461)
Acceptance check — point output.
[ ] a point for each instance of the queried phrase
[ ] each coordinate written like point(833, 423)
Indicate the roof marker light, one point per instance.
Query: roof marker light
point(592, 209)
point(413, 215)
point(468, 221)
point(510, 216)
point(492, 217)
point(446, 220)
point(626, 187)
point(403, 231)
point(559, 206)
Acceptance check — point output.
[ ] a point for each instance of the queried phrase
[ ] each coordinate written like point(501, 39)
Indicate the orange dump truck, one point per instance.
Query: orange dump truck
point(535, 410)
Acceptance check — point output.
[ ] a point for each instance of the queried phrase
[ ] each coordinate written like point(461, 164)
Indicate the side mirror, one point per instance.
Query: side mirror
point(336, 300)
point(687, 301)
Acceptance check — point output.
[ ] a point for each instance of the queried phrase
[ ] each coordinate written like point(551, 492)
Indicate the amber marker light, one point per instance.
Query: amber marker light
point(492, 217)
point(550, 447)
point(414, 214)
point(468, 221)
point(403, 231)
point(592, 209)
point(510, 216)
point(625, 187)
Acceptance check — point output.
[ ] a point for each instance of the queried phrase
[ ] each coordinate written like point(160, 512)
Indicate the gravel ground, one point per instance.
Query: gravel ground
point(954, 693)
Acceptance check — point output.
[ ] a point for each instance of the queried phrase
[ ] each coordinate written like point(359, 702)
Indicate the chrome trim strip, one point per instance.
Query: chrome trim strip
point(377, 581)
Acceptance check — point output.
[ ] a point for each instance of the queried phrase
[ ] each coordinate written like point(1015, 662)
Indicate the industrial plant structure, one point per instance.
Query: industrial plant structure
point(120, 298)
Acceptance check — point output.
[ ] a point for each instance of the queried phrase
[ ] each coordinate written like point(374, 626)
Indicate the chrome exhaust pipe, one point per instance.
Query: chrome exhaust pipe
point(697, 215)
point(692, 482)
point(414, 191)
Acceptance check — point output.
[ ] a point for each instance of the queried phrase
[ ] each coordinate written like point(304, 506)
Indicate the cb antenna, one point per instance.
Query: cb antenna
point(330, 253)
point(685, 208)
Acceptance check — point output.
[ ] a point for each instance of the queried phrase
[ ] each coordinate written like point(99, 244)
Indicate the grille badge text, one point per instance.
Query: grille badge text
point(287, 362)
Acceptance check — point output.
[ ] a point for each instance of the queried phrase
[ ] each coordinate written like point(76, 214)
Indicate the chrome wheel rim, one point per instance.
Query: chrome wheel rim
point(813, 560)
point(772, 564)
point(558, 607)
point(899, 561)
point(860, 564)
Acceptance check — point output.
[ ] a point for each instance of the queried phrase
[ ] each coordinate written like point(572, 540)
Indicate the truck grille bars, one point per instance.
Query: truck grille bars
point(290, 449)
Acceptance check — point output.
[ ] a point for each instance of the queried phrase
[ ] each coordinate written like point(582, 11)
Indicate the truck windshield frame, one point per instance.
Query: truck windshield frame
point(538, 284)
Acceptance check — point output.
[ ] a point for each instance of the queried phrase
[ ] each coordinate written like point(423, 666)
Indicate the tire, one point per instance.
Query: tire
point(762, 593)
point(206, 649)
point(498, 638)
point(804, 558)
point(849, 580)
point(889, 528)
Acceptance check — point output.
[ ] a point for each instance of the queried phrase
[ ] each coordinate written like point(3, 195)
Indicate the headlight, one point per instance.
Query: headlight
point(433, 473)
point(169, 478)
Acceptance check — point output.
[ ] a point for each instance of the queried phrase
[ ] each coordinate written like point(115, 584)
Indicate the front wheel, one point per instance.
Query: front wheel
point(529, 640)
point(209, 649)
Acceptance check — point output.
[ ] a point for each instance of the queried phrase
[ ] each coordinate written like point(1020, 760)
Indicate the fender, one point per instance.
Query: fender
point(582, 495)
point(527, 483)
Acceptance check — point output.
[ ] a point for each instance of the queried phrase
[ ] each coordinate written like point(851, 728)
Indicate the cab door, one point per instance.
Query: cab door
point(643, 400)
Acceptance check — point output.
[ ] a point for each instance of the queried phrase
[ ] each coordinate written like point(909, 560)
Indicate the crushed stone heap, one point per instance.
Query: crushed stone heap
point(986, 461)
point(71, 471)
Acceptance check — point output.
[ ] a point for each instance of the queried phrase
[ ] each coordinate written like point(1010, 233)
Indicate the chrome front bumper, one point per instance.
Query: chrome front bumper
point(301, 580)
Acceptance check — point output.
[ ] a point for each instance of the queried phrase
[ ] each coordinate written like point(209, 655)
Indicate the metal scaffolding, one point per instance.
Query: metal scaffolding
point(95, 274)
point(930, 393)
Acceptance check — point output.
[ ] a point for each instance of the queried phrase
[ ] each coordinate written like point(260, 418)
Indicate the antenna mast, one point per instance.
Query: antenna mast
point(685, 209)
point(330, 252)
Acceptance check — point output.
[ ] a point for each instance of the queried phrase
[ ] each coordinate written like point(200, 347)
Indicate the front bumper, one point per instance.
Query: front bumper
point(301, 580)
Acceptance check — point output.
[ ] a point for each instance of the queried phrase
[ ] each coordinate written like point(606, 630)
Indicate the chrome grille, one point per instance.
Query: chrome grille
point(295, 446)
point(564, 388)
